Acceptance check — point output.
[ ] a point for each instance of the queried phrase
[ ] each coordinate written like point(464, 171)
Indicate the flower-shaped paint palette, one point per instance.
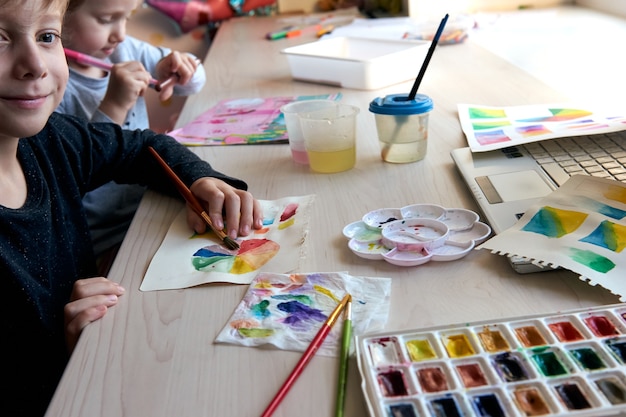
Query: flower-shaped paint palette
point(416, 234)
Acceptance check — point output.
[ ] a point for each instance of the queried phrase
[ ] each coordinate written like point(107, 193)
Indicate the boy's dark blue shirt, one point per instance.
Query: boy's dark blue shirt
point(45, 245)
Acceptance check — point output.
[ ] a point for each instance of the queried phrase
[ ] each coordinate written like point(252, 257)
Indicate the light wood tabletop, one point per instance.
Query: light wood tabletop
point(154, 354)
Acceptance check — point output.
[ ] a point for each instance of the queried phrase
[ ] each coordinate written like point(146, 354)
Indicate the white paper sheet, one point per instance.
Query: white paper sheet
point(287, 311)
point(487, 127)
point(581, 227)
point(185, 259)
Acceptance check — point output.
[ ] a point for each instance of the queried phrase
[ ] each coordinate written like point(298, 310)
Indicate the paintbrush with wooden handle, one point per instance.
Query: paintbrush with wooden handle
point(193, 201)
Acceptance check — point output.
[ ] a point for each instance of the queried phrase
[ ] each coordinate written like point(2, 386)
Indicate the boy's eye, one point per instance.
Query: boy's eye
point(48, 37)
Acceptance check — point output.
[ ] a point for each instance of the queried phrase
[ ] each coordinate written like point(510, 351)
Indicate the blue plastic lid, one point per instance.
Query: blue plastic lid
point(398, 104)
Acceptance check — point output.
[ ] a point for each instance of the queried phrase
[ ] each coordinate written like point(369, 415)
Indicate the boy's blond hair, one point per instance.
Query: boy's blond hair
point(62, 4)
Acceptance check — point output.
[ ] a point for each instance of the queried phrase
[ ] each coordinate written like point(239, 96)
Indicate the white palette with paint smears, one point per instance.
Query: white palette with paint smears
point(566, 364)
point(416, 234)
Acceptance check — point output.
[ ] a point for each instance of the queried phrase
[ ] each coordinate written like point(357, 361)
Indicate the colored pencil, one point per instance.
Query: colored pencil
point(193, 201)
point(279, 34)
point(343, 360)
point(169, 80)
point(95, 62)
point(429, 55)
point(307, 356)
point(300, 31)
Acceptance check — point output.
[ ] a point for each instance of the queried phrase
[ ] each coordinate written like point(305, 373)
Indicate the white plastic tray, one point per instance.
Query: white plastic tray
point(358, 63)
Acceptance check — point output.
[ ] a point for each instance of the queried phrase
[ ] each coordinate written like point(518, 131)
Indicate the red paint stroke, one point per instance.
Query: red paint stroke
point(289, 212)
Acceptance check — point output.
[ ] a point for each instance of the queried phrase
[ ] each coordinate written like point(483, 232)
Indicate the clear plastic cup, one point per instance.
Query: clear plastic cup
point(402, 126)
point(330, 138)
point(292, 122)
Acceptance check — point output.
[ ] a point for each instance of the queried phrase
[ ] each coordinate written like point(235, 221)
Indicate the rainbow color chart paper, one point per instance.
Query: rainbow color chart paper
point(487, 128)
point(286, 311)
point(186, 259)
point(564, 364)
point(581, 227)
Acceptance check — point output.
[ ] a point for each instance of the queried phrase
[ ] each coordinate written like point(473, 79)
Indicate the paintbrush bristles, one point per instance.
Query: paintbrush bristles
point(192, 200)
point(230, 243)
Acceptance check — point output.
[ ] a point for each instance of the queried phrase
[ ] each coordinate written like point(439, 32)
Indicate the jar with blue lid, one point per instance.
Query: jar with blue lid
point(402, 126)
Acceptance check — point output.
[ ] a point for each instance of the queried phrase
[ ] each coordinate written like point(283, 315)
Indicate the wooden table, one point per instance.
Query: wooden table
point(153, 354)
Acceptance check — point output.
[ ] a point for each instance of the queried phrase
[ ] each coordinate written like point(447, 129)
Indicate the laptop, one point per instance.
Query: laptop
point(508, 181)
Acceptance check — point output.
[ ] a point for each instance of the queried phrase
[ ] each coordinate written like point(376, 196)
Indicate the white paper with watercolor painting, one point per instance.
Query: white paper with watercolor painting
point(186, 259)
point(488, 128)
point(287, 311)
point(581, 227)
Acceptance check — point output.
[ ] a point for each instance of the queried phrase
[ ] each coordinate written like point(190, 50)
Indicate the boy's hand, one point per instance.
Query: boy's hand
point(177, 67)
point(89, 302)
point(242, 211)
point(128, 81)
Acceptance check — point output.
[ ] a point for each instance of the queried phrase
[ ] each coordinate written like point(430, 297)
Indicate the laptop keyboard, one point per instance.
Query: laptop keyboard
point(597, 155)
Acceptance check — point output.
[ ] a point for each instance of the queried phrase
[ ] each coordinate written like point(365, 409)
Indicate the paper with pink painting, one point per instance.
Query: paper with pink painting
point(241, 121)
point(286, 311)
point(186, 259)
point(488, 128)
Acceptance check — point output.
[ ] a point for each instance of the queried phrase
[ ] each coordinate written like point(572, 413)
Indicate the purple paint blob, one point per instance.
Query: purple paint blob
point(300, 314)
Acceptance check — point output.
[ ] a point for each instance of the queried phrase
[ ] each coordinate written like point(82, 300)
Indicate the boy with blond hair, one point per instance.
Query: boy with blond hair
point(48, 161)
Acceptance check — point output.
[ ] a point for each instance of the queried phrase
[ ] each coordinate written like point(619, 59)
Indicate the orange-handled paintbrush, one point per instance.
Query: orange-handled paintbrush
point(193, 201)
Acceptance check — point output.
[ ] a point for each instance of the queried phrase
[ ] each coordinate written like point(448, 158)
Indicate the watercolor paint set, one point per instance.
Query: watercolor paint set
point(566, 364)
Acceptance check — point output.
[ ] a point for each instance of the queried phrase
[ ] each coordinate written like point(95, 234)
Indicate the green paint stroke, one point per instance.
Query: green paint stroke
point(489, 125)
point(483, 113)
point(304, 299)
point(591, 260)
point(255, 332)
point(260, 309)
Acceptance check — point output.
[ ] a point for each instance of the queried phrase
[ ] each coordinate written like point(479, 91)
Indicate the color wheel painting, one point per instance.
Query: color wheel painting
point(581, 227)
point(186, 259)
point(252, 255)
point(286, 311)
point(487, 128)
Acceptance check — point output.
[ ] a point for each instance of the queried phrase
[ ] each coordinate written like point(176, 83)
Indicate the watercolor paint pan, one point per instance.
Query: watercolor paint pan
point(565, 364)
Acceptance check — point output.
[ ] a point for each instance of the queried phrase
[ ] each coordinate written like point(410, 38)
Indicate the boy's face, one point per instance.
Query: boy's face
point(33, 69)
point(97, 26)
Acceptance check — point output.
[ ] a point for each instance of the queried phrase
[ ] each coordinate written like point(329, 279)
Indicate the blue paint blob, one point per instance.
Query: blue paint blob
point(611, 212)
point(402, 410)
point(207, 253)
point(488, 405)
point(304, 299)
point(445, 407)
point(618, 348)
